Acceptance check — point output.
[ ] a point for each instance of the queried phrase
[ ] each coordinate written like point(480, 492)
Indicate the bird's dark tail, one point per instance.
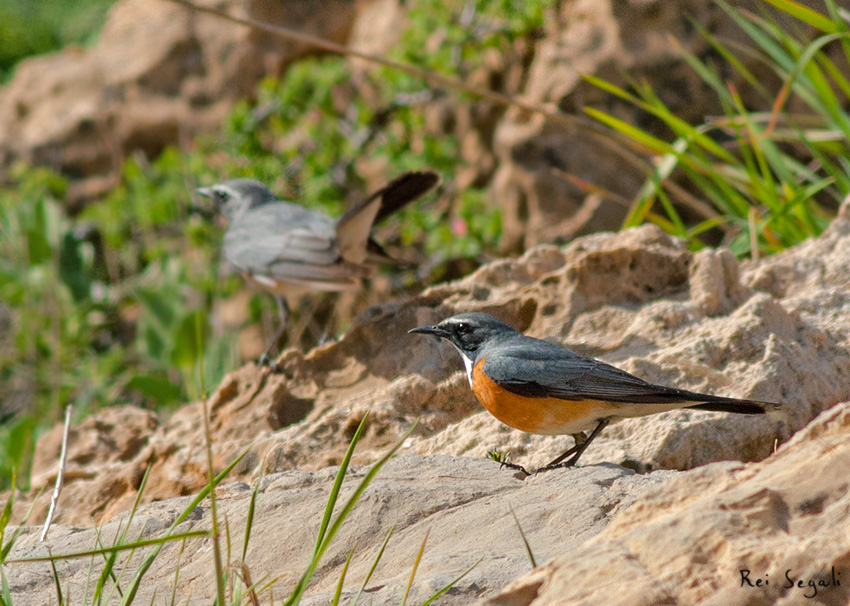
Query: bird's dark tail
point(396, 194)
point(354, 227)
point(702, 401)
point(742, 407)
point(403, 190)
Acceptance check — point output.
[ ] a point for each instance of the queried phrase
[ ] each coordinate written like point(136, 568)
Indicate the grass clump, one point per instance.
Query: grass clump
point(112, 579)
point(769, 179)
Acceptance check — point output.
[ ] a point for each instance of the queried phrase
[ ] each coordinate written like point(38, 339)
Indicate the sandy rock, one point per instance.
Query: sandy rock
point(688, 541)
point(99, 473)
point(637, 299)
point(462, 505)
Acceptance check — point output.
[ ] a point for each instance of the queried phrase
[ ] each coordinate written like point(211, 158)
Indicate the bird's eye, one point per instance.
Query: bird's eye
point(222, 195)
point(463, 328)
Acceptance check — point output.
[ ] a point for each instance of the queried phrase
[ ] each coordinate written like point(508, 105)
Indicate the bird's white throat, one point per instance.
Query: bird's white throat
point(466, 362)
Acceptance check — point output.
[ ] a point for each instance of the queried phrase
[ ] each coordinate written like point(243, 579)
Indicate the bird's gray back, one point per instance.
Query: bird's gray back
point(537, 368)
point(269, 236)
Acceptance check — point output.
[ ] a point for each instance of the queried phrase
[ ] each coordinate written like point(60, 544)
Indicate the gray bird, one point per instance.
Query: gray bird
point(286, 249)
point(542, 388)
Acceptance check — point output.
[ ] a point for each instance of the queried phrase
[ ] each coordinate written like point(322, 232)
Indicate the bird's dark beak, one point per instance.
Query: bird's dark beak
point(206, 192)
point(437, 331)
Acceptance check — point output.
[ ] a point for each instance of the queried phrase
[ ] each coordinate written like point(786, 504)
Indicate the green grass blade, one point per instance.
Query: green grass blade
point(710, 76)
point(338, 592)
point(158, 541)
point(177, 573)
point(524, 540)
point(105, 574)
point(146, 564)
point(704, 226)
point(415, 567)
point(651, 143)
point(342, 515)
point(806, 15)
point(649, 191)
point(374, 566)
point(836, 74)
point(333, 497)
point(249, 522)
point(450, 584)
point(4, 521)
point(120, 538)
point(7, 511)
point(4, 552)
point(90, 571)
point(340, 476)
point(5, 593)
point(56, 582)
point(682, 129)
point(678, 225)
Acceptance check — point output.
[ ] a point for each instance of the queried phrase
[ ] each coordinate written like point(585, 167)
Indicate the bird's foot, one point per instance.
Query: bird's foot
point(502, 459)
point(514, 466)
point(567, 465)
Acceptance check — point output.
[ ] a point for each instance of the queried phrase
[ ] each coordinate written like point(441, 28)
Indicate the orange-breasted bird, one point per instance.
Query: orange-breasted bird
point(542, 388)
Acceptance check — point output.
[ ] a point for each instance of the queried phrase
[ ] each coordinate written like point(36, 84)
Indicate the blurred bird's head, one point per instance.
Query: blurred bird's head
point(236, 196)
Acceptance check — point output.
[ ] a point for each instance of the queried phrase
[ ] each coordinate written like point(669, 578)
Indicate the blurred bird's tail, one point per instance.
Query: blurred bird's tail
point(354, 227)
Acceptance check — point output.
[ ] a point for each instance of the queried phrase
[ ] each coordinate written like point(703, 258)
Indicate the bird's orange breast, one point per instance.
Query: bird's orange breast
point(546, 416)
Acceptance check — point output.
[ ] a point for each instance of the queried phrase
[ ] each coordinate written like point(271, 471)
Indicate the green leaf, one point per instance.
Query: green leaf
point(38, 248)
point(160, 307)
point(154, 344)
point(71, 268)
point(160, 389)
point(806, 15)
point(188, 345)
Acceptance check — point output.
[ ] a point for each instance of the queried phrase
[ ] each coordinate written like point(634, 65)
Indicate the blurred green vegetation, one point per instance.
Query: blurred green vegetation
point(35, 27)
point(115, 305)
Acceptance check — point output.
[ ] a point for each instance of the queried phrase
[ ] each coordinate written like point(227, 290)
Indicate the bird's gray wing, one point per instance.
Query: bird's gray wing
point(538, 369)
point(283, 240)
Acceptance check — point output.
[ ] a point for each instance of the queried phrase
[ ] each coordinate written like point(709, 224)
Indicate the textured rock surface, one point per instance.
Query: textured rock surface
point(777, 330)
point(688, 541)
point(462, 505)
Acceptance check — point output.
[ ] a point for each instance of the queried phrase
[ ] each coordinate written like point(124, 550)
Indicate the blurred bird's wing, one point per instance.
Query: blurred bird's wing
point(286, 242)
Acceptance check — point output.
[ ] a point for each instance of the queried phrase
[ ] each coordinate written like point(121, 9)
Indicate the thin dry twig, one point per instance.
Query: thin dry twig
point(60, 476)
point(621, 146)
point(614, 142)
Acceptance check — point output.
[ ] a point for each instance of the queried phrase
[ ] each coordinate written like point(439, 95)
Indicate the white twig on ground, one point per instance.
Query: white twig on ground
point(60, 476)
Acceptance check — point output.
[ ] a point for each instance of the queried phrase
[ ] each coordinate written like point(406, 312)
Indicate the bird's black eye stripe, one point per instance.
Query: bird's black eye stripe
point(463, 328)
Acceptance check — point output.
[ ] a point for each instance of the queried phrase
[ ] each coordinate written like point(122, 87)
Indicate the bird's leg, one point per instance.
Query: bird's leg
point(580, 439)
point(283, 311)
point(582, 442)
